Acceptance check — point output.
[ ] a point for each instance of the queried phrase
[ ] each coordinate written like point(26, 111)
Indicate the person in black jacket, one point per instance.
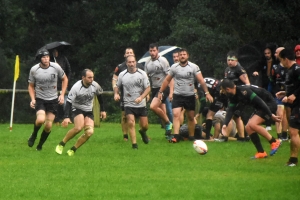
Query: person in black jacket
point(292, 96)
point(62, 60)
point(265, 108)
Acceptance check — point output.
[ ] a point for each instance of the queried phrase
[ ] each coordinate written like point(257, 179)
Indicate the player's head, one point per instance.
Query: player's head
point(277, 51)
point(268, 53)
point(87, 77)
point(232, 58)
point(228, 87)
point(183, 55)
point(153, 51)
point(43, 56)
point(131, 62)
point(176, 57)
point(287, 57)
point(128, 52)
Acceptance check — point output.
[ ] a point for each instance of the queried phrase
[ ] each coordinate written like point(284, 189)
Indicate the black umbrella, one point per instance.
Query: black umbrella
point(54, 45)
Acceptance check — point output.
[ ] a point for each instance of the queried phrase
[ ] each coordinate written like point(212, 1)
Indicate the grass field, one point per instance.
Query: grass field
point(107, 168)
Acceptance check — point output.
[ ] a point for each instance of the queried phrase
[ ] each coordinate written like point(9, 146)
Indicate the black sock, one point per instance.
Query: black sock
point(62, 143)
point(256, 141)
point(36, 129)
point(74, 148)
point(272, 140)
point(43, 138)
point(284, 134)
point(208, 124)
point(279, 135)
point(125, 136)
point(293, 160)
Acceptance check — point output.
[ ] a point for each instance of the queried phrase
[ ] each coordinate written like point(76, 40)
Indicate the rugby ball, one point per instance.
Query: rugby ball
point(200, 147)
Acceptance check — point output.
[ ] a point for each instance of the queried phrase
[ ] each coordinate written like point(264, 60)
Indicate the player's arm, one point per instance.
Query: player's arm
point(200, 79)
point(64, 85)
point(244, 78)
point(31, 94)
point(67, 114)
point(102, 109)
point(114, 80)
point(164, 85)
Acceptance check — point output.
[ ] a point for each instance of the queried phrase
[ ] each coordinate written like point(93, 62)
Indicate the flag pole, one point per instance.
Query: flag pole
point(16, 76)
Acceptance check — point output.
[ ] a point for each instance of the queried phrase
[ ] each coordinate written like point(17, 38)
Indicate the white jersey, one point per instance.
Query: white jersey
point(133, 85)
point(45, 80)
point(184, 78)
point(157, 70)
point(82, 97)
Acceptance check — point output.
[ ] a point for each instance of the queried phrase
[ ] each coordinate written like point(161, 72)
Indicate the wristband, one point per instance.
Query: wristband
point(206, 93)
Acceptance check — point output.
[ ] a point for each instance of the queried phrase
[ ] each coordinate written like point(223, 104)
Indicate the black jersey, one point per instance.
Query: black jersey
point(278, 78)
point(234, 73)
point(257, 97)
point(121, 67)
point(292, 83)
point(213, 86)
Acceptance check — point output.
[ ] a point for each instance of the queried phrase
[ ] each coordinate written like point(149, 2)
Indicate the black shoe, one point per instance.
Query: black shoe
point(31, 140)
point(239, 139)
point(191, 138)
point(144, 137)
point(39, 148)
point(134, 146)
point(247, 138)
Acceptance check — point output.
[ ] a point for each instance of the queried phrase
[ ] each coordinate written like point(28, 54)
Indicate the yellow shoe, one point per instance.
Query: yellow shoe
point(70, 152)
point(59, 149)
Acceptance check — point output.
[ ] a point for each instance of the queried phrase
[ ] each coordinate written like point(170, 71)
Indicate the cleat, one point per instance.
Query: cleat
point(260, 155)
point(192, 138)
point(144, 137)
point(59, 149)
point(38, 148)
point(174, 140)
point(31, 140)
point(169, 126)
point(70, 152)
point(291, 164)
point(135, 146)
point(284, 139)
point(275, 146)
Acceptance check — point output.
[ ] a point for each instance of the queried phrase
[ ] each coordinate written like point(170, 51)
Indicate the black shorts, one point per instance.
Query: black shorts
point(137, 112)
point(294, 120)
point(154, 93)
point(46, 105)
point(265, 116)
point(186, 102)
point(218, 103)
point(84, 113)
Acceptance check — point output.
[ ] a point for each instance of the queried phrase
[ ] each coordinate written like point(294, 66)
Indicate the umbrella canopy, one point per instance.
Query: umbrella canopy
point(166, 51)
point(54, 45)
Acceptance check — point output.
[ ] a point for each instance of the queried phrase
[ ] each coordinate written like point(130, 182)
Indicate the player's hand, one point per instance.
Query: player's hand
point(209, 98)
point(32, 104)
point(116, 97)
point(171, 96)
point(291, 98)
point(224, 130)
point(255, 73)
point(284, 99)
point(103, 115)
point(280, 94)
point(138, 100)
point(276, 118)
point(61, 99)
point(160, 96)
point(66, 122)
point(147, 97)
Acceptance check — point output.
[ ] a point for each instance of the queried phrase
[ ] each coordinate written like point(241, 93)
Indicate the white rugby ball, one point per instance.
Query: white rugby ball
point(200, 147)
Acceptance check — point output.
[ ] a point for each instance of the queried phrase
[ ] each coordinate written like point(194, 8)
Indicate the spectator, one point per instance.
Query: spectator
point(297, 53)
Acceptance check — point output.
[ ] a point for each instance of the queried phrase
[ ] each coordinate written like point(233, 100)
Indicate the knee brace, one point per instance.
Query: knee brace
point(88, 131)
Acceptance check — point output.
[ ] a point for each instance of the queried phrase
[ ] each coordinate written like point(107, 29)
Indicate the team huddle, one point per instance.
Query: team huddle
point(174, 91)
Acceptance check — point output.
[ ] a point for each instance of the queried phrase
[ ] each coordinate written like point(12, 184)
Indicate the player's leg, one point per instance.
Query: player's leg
point(240, 127)
point(143, 122)
point(40, 119)
point(47, 129)
point(280, 111)
point(156, 107)
point(124, 125)
point(294, 147)
point(208, 123)
point(78, 126)
point(285, 125)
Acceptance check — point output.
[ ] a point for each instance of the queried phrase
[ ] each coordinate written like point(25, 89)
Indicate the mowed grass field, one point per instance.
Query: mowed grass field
point(106, 167)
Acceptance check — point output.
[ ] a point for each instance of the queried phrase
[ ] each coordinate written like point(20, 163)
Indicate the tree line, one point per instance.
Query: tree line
point(100, 30)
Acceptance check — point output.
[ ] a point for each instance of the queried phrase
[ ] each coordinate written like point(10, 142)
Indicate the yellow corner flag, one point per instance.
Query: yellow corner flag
point(17, 68)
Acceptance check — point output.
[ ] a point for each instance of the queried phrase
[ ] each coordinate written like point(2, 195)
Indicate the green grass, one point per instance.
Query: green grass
point(107, 168)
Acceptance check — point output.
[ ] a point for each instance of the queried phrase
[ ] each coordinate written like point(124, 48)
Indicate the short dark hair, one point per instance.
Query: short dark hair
point(226, 83)
point(83, 73)
point(232, 54)
point(129, 48)
point(287, 53)
point(126, 59)
point(153, 45)
point(183, 49)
